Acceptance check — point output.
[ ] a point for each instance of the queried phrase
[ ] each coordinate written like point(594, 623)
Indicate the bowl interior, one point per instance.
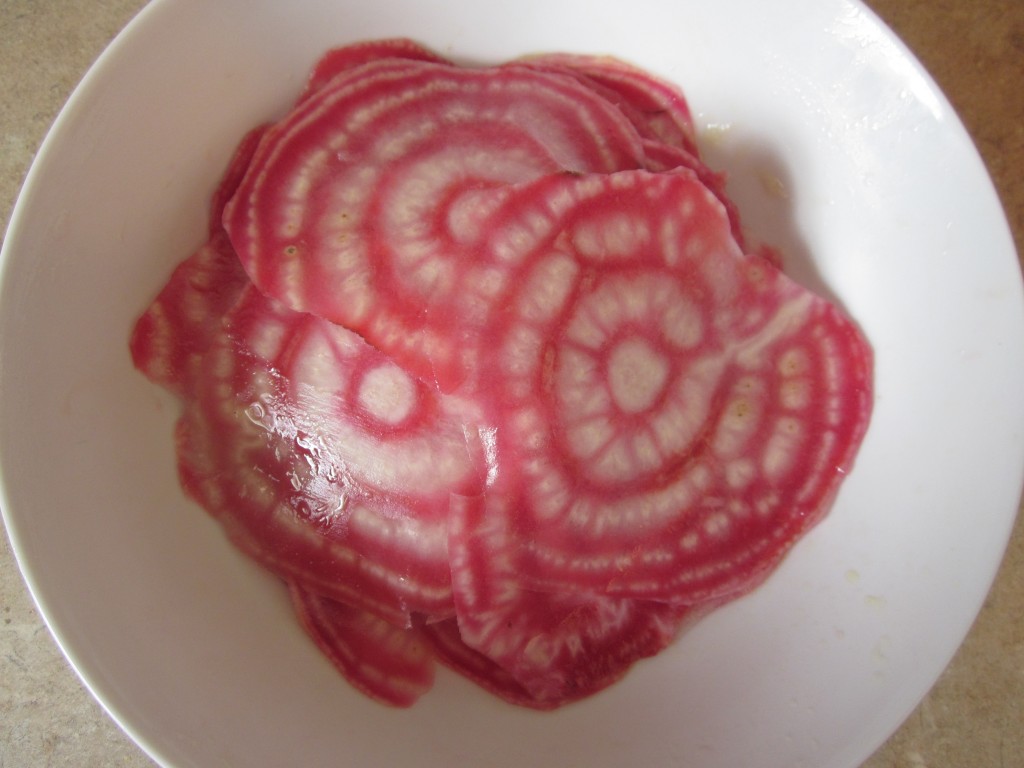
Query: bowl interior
point(886, 208)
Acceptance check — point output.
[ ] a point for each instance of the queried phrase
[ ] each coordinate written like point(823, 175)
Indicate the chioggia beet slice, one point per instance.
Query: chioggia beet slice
point(665, 157)
point(451, 650)
point(671, 414)
point(389, 664)
point(346, 58)
point(232, 177)
point(328, 463)
point(657, 107)
point(364, 205)
point(558, 647)
point(169, 339)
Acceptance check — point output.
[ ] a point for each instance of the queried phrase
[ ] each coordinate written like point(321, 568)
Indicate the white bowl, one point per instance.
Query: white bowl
point(886, 207)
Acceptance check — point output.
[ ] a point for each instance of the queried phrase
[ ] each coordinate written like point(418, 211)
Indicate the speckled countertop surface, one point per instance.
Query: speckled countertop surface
point(974, 715)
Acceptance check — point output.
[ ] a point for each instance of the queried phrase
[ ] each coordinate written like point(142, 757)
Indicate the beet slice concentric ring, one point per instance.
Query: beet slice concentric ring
point(557, 647)
point(331, 217)
point(671, 413)
point(328, 463)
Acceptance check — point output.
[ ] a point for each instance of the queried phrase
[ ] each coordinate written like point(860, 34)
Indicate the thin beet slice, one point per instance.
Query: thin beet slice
point(326, 462)
point(671, 414)
point(392, 665)
point(252, 506)
point(657, 107)
point(170, 337)
point(337, 212)
point(232, 177)
point(449, 648)
point(346, 58)
point(558, 647)
point(666, 157)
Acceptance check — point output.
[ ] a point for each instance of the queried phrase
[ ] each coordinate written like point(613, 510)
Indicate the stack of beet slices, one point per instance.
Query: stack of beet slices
point(476, 360)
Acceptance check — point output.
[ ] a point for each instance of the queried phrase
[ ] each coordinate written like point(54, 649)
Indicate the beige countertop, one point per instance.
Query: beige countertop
point(975, 713)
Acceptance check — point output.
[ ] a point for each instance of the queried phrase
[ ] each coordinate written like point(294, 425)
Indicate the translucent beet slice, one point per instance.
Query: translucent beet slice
point(233, 174)
point(347, 58)
point(449, 648)
point(579, 679)
point(657, 107)
point(365, 205)
point(558, 647)
point(326, 462)
point(671, 414)
point(392, 665)
point(170, 337)
point(666, 157)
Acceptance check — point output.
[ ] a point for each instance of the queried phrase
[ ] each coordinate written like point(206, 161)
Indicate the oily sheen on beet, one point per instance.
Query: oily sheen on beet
point(478, 362)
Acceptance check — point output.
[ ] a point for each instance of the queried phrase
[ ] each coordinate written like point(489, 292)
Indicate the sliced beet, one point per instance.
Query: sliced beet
point(335, 214)
point(451, 650)
point(392, 665)
point(346, 58)
point(232, 177)
point(665, 157)
point(170, 337)
point(558, 647)
point(671, 414)
point(657, 107)
point(328, 463)
point(579, 678)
